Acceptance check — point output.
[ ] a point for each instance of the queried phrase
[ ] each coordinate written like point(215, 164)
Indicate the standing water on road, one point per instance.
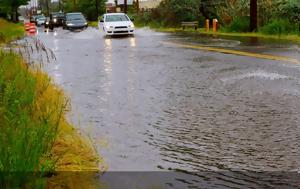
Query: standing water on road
point(171, 117)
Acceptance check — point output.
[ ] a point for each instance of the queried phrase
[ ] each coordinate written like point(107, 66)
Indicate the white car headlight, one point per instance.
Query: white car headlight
point(70, 24)
point(109, 27)
point(54, 20)
point(131, 25)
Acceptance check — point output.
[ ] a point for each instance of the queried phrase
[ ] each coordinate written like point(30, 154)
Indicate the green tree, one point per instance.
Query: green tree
point(11, 7)
point(92, 9)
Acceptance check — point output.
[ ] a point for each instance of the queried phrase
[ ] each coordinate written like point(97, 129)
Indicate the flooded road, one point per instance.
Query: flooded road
point(158, 110)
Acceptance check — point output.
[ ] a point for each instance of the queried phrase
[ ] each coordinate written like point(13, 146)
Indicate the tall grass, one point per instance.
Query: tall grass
point(36, 141)
point(29, 119)
point(10, 31)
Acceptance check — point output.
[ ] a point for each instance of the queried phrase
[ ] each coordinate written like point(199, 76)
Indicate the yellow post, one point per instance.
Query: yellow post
point(207, 25)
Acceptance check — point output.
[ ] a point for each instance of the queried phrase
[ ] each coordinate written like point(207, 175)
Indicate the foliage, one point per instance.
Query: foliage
point(9, 31)
point(239, 24)
point(278, 27)
point(291, 9)
point(11, 7)
point(171, 13)
point(88, 8)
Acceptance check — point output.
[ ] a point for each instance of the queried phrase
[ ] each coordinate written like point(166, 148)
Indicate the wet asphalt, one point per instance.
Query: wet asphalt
point(149, 106)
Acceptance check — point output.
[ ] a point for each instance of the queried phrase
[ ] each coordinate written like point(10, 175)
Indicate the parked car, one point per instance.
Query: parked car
point(117, 24)
point(74, 21)
point(57, 18)
point(40, 20)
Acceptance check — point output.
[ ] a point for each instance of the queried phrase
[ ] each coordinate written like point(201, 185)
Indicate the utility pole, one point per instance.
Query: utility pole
point(97, 8)
point(125, 6)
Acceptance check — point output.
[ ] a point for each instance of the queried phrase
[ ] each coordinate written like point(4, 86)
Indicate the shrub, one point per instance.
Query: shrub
point(239, 24)
point(278, 27)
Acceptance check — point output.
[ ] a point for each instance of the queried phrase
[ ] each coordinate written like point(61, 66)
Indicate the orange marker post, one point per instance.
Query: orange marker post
point(215, 25)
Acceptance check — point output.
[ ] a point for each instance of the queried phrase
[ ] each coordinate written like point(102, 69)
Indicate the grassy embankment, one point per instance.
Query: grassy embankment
point(35, 138)
point(289, 37)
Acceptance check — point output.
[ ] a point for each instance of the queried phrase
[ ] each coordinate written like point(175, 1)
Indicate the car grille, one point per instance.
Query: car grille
point(120, 31)
point(120, 27)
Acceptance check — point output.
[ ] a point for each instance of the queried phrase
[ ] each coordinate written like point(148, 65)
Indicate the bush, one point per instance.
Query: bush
point(239, 24)
point(10, 31)
point(278, 27)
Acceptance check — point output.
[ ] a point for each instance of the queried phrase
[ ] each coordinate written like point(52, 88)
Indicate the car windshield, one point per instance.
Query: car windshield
point(116, 18)
point(56, 15)
point(75, 17)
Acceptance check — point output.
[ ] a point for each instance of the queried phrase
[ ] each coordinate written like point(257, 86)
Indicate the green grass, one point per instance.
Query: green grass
point(288, 37)
point(28, 123)
point(10, 31)
point(35, 137)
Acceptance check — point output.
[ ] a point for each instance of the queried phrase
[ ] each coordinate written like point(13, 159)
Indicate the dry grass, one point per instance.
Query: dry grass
point(35, 135)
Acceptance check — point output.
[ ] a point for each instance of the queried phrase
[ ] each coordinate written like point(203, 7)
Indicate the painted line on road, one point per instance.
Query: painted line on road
point(235, 52)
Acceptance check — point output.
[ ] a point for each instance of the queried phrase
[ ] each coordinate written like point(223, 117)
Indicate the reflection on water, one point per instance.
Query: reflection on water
point(108, 66)
point(132, 42)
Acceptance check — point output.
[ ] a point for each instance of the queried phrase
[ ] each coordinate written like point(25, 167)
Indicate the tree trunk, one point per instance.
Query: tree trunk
point(15, 14)
point(125, 6)
point(253, 15)
point(137, 6)
point(97, 8)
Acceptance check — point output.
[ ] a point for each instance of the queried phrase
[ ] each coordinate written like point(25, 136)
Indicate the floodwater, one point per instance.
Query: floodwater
point(172, 117)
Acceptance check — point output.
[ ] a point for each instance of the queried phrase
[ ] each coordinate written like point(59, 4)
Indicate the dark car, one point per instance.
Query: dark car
point(48, 24)
point(57, 18)
point(75, 21)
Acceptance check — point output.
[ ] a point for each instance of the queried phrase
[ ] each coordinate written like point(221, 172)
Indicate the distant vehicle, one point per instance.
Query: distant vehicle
point(117, 24)
point(21, 19)
point(40, 20)
point(74, 21)
point(33, 18)
point(57, 18)
point(48, 24)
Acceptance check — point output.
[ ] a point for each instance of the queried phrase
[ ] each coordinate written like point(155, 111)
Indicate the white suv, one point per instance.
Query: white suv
point(117, 24)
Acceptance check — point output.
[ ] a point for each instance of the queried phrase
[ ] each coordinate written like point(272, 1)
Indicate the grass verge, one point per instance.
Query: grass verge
point(290, 37)
point(37, 145)
point(10, 31)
